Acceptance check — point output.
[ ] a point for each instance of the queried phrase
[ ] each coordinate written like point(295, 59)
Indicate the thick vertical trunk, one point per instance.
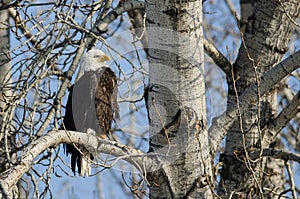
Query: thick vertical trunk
point(176, 100)
point(266, 40)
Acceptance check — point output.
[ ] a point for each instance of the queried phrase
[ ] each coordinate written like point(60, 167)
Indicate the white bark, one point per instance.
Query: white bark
point(176, 100)
point(222, 124)
point(94, 144)
point(264, 43)
point(178, 164)
point(4, 66)
point(7, 137)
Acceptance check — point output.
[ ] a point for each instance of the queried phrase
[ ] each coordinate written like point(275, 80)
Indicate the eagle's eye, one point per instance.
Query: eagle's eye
point(101, 58)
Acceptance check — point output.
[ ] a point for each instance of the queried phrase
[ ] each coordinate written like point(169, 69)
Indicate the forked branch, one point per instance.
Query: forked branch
point(222, 124)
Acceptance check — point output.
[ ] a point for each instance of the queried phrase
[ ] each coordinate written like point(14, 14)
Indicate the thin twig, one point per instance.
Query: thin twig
point(291, 179)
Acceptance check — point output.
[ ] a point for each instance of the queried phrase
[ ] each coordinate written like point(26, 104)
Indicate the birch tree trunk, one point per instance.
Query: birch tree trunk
point(265, 41)
point(176, 100)
point(7, 137)
point(5, 80)
point(179, 163)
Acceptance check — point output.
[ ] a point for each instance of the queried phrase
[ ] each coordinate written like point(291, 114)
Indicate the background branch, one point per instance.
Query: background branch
point(222, 124)
point(275, 153)
point(101, 26)
point(127, 6)
point(277, 124)
point(217, 56)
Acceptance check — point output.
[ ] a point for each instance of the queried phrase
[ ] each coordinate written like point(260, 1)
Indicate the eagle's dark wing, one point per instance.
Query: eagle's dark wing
point(68, 124)
point(92, 103)
point(106, 104)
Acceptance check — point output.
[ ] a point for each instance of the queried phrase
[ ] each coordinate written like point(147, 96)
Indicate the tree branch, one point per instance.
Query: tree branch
point(20, 24)
point(275, 153)
point(127, 6)
point(92, 143)
point(277, 124)
point(113, 15)
point(222, 124)
point(138, 21)
point(217, 56)
point(63, 87)
point(291, 180)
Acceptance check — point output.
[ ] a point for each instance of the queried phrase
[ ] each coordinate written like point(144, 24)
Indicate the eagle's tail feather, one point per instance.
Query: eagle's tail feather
point(74, 161)
point(85, 163)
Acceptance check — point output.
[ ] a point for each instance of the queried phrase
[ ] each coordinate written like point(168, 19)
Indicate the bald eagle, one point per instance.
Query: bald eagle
point(91, 106)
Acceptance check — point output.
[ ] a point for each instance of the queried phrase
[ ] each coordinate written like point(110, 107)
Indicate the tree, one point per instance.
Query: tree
point(186, 157)
point(262, 47)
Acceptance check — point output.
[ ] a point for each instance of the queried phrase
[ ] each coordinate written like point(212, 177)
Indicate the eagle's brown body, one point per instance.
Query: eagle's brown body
point(92, 104)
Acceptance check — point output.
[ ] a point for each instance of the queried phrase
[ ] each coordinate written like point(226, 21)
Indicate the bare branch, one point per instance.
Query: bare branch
point(217, 56)
point(277, 124)
point(63, 87)
point(13, 13)
point(292, 183)
point(114, 14)
point(54, 138)
point(127, 6)
point(275, 153)
point(222, 124)
point(137, 18)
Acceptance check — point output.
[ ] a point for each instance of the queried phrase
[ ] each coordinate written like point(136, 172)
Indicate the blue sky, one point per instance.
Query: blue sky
point(216, 15)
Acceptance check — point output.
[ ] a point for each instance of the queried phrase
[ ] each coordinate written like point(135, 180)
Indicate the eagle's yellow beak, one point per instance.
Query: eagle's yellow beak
point(103, 58)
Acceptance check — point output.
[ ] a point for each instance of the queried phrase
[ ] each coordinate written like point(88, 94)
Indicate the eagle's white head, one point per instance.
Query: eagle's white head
point(93, 60)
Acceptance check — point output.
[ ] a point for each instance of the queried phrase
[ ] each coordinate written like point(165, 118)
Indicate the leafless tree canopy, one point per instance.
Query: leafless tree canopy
point(251, 87)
